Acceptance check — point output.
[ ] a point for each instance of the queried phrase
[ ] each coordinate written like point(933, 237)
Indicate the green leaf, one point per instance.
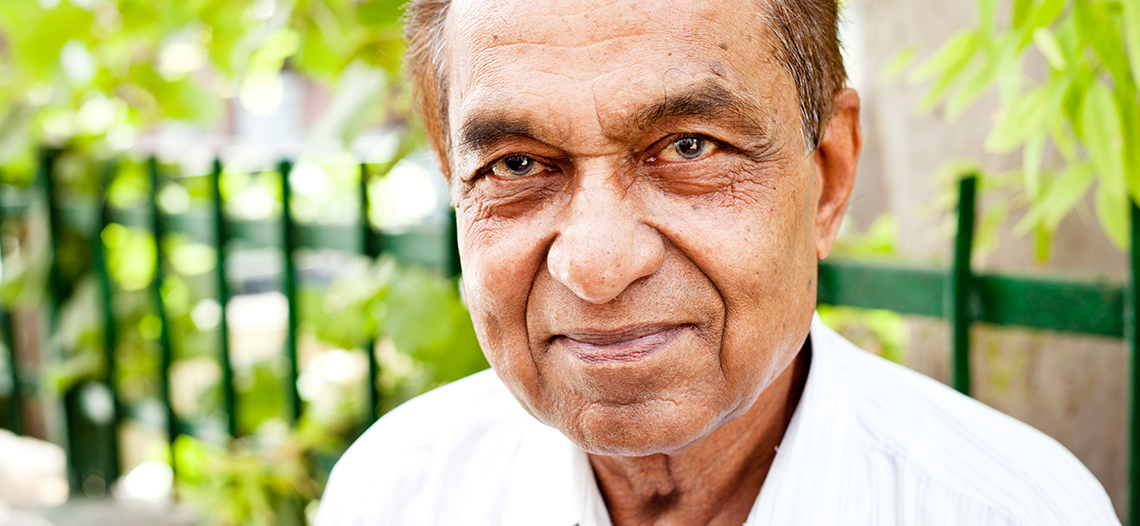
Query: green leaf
point(280, 46)
point(954, 55)
point(1106, 39)
point(1127, 101)
point(1032, 154)
point(1021, 12)
point(1034, 111)
point(900, 62)
point(1015, 122)
point(317, 59)
point(1112, 211)
point(1131, 25)
point(1047, 12)
point(381, 13)
point(1048, 45)
point(1103, 136)
point(427, 321)
point(987, 13)
point(1042, 243)
point(385, 53)
point(1060, 196)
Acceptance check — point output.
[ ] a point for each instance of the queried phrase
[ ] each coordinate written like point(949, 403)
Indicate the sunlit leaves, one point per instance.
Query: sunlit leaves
point(1057, 198)
point(1077, 126)
point(1131, 25)
point(170, 59)
point(1050, 47)
point(130, 256)
point(946, 65)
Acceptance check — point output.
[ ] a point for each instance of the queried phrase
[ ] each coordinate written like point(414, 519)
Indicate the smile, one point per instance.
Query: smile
point(625, 345)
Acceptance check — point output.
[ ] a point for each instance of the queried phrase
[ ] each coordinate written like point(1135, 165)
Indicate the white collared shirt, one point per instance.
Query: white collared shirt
point(871, 443)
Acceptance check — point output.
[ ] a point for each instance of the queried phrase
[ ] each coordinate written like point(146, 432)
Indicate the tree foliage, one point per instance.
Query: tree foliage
point(95, 73)
point(1085, 109)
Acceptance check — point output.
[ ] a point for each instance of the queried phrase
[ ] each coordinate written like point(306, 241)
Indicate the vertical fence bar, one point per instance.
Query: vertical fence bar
point(289, 246)
point(46, 168)
point(958, 285)
point(158, 229)
point(370, 246)
point(45, 176)
point(221, 239)
point(454, 267)
point(16, 400)
point(110, 332)
point(1132, 337)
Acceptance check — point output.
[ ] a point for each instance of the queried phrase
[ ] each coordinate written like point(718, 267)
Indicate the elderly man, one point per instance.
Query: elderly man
point(643, 191)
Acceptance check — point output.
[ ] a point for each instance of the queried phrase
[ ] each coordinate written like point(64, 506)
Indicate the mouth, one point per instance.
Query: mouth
point(623, 345)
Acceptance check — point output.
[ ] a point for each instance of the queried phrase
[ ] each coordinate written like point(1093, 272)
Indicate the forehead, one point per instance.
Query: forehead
point(560, 55)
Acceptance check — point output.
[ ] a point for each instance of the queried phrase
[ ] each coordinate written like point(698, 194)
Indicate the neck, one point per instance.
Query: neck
point(717, 480)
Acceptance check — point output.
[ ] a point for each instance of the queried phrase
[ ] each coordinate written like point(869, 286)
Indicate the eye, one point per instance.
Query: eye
point(517, 167)
point(687, 149)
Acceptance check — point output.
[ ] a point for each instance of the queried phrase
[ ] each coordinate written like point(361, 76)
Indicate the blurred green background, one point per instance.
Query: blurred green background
point(97, 88)
point(1037, 96)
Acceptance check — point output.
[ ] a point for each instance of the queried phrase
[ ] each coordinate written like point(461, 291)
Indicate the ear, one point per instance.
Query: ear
point(835, 159)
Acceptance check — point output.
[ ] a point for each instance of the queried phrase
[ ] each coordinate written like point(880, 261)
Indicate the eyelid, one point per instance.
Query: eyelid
point(654, 151)
point(543, 165)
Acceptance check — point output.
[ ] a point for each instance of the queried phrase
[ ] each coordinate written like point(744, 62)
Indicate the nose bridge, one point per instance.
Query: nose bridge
point(604, 244)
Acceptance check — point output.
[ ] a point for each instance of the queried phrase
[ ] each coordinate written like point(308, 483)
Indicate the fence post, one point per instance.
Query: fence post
point(370, 246)
point(454, 266)
point(16, 400)
point(221, 239)
point(44, 176)
point(110, 333)
point(289, 246)
point(958, 283)
point(55, 225)
point(1132, 338)
point(158, 229)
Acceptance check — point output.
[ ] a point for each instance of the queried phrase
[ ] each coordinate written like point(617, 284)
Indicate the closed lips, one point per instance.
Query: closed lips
point(625, 345)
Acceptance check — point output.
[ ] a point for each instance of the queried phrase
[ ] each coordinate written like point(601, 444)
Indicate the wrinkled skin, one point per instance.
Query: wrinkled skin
point(640, 224)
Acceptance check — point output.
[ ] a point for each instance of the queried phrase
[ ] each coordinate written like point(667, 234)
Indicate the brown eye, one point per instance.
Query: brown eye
point(687, 149)
point(517, 166)
point(690, 147)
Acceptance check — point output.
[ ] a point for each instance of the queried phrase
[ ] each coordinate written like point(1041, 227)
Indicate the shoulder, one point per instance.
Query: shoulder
point(940, 438)
point(393, 460)
point(445, 457)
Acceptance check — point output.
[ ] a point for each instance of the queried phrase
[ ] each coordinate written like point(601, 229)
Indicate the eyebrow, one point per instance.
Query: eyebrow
point(708, 101)
point(482, 131)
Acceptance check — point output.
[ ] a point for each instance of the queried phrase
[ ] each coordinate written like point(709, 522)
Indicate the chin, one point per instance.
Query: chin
point(642, 429)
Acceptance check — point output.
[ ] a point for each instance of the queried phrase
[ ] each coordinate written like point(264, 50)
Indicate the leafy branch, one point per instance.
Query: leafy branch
point(1085, 109)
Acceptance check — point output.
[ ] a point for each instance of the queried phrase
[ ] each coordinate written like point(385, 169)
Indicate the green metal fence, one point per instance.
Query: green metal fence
point(957, 294)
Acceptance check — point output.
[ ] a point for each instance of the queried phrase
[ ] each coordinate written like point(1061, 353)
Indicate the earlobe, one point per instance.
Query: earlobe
point(836, 159)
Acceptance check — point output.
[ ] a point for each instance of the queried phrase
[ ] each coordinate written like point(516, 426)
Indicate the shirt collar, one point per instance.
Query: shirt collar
point(810, 462)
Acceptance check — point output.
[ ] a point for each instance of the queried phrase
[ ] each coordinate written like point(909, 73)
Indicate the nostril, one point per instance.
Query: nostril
point(598, 267)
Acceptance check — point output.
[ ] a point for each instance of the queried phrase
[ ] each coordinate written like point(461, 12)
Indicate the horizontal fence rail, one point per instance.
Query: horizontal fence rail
point(1089, 307)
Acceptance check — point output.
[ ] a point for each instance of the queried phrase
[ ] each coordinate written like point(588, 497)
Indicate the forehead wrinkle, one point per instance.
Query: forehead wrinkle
point(517, 23)
point(707, 100)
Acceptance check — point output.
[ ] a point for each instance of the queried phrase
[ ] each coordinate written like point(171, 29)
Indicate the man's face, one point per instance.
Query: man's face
point(639, 217)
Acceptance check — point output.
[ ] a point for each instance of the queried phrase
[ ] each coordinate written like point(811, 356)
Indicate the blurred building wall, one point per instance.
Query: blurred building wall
point(1072, 388)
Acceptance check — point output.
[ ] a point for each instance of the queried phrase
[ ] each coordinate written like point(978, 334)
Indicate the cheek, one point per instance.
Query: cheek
point(754, 243)
point(500, 261)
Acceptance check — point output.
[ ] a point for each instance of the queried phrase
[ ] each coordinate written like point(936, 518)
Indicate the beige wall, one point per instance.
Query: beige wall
point(1071, 388)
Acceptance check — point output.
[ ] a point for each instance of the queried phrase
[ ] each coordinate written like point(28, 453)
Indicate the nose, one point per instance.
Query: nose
point(604, 245)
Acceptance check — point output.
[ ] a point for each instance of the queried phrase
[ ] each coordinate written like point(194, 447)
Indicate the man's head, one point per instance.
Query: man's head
point(639, 217)
point(801, 34)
